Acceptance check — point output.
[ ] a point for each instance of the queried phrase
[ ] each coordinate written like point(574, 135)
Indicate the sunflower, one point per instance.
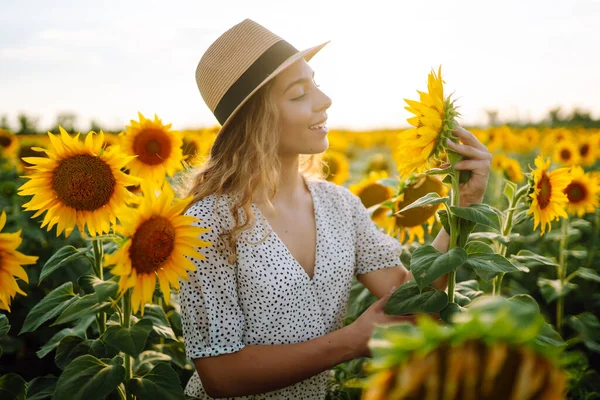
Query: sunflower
point(371, 192)
point(510, 168)
point(10, 265)
point(8, 143)
point(547, 193)
point(336, 167)
point(471, 358)
point(433, 122)
point(77, 184)
point(582, 192)
point(411, 221)
point(157, 147)
point(193, 148)
point(158, 238)
point(378, 162)
point(585, 145)
point(566, 152)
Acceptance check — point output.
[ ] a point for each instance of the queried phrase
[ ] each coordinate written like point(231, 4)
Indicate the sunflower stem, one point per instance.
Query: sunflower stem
point(126, 322)
point(454, 224)
point(561, 272)
point(98, 254)
point(506, 230)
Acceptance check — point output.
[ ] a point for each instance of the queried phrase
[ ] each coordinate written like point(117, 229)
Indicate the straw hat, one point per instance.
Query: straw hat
point(241, 61)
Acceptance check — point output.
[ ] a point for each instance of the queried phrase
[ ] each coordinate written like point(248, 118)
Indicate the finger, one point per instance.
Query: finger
point(468, 137)
point(469, 151)
point(472, 165)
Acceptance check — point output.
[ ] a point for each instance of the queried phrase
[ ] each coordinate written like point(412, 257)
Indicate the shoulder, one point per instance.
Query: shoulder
point(336, 194)
point(212, 210)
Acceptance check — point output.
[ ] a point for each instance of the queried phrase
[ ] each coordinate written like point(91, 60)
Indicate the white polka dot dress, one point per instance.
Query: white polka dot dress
point(266, 297)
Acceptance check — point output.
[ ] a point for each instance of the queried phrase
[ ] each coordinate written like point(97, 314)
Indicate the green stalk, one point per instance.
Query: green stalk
point(506, 230)
point(126, 322)
point(98, 270)
point(561, 272)
point(453, 221)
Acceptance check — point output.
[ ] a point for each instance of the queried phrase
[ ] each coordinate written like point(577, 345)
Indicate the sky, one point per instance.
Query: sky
point(107, 60)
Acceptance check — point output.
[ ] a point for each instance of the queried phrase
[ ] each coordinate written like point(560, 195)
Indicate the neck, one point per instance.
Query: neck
point(290, 186)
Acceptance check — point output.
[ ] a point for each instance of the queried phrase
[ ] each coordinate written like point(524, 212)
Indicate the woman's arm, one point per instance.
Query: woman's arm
point(381, 281)
point(264, 368)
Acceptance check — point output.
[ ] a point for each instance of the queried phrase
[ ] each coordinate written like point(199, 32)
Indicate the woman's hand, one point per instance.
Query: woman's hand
point(363, 327)
point(477, 159)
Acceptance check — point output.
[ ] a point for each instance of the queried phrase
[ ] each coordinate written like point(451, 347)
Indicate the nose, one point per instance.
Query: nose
point(324, 101)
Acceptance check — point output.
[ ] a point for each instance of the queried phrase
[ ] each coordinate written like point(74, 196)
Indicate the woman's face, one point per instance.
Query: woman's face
point(301, 105)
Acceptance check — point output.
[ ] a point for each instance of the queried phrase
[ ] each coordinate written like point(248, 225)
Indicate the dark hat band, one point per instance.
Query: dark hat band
point(264, 65)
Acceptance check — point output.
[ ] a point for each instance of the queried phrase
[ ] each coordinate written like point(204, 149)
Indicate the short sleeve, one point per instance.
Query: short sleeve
point(374, 248)
point(212, 320)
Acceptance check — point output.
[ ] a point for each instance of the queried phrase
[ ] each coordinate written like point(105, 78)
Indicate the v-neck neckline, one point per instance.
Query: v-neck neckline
point(316, 218)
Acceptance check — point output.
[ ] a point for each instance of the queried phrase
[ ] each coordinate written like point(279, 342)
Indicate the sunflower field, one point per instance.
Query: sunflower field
point(93, 312)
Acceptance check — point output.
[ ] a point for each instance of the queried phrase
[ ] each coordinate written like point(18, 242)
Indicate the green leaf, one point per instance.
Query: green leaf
point(479, 213)
point(487, 266)
point(160, 383)
point(551, 289)
point(429, 199)
point(428, 264)
point(160, 324)
point(4, 325)
point(78, 330)
point(62, 257)
point(107, 289)
point(405, 258)
point(12, 386)
point(175, 350)
point(584, 273)
point(82, 307)
point(493, 236)
point(69, 348)
point(50, 306)
point(89, 378)
point(475, 246)
point(509, 190)
point(128, 340)
point(41, 387)
point(465, 228)
point(588, 327)
point(531, 259)
point(408, 299)
point(448, 312)
point(443, 214)
point(147, 360)
point(468, 289)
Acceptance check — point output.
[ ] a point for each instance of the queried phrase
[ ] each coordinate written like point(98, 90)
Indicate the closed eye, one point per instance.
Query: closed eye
point(301, 97)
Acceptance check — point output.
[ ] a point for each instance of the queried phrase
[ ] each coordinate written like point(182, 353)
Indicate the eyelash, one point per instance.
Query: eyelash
point(301, 97)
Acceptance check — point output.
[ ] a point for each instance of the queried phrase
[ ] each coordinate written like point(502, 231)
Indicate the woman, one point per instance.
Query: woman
point(262, 315)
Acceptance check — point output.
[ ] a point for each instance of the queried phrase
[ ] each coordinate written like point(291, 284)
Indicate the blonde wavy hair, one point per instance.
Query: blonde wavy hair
point(244, 159)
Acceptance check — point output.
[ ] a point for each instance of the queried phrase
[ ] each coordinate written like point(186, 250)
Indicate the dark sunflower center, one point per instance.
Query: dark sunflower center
point(152, 146)
point(373, 194)
point(584, 149)
point(565, 155)
point(418, 216)
point(576, 192)
point(152, 245)
point(545, 195)
point(189, 148)
point(83, 182)
point(5, 141)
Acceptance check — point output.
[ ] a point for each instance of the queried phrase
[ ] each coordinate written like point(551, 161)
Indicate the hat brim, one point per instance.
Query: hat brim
point(306, 54)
